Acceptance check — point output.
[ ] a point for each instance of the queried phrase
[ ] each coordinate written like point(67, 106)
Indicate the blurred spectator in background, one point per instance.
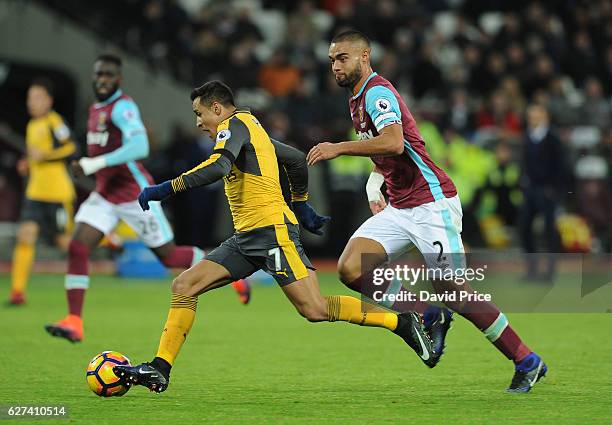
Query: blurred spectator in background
point(595, 110)
point(561, 111)
point(580, 58)
point(510, 88)
point(242, 68)
point(302, 23)
point(278, 76)
point(497, 117)
point(595, 197)
point(460, 116)
point(543, 180)
point(278, 126)
point(541, 75)
point(426, 76)
point(209, 52)
point(304, 109)
point(500, 195)
point(496, 202)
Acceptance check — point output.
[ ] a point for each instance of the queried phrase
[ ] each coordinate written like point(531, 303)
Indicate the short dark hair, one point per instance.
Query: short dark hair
point(109, 57)
point(351, 35)
point(214, 91)
point(45, 83)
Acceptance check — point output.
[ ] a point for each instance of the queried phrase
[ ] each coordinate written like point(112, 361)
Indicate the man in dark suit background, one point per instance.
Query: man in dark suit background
point(543, 181)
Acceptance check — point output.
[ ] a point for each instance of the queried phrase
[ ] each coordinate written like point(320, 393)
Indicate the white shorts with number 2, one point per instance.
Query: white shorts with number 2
point(433, 228)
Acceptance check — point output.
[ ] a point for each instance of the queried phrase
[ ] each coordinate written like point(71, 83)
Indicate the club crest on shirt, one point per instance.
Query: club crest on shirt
point(102, 116)
point(223, 135)
point(361, 113)
point(383, 105)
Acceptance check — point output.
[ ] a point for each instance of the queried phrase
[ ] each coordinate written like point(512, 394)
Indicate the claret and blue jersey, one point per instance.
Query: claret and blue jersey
point(115, 130)
point(412, 178)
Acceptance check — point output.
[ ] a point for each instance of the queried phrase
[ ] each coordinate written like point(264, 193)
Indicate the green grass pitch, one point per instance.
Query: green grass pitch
point(265, 364)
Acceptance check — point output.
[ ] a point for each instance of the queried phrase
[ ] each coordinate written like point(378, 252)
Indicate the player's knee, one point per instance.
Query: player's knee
point(182, 284)
point(27, 233)
point(349, 269)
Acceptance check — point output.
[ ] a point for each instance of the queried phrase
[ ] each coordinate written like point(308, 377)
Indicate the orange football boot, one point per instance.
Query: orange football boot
point(70, 328)
point(243, 289)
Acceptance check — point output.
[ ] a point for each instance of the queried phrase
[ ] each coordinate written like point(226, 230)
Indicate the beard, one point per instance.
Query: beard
point(351, 79)
point(103, 96)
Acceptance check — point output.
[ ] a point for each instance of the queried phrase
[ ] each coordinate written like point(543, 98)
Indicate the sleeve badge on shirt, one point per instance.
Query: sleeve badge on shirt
point(129, 114)
point(383, 105)
point(223, 135)
point(62, 132)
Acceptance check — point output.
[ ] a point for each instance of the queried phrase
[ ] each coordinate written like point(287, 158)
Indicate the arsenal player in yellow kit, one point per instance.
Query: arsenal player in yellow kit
point(47, 208)
point(266, 235)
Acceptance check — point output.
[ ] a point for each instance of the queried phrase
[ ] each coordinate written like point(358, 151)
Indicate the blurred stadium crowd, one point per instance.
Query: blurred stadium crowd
point(467, 69)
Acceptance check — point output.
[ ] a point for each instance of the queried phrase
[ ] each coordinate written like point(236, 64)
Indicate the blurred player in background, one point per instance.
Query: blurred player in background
point(266, 238)
point(47, 208)
point(116, 141)
point(424, 211)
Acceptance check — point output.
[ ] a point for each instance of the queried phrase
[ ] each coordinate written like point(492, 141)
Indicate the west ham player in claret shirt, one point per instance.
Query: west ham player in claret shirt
point(424, 210)
point(116, 141)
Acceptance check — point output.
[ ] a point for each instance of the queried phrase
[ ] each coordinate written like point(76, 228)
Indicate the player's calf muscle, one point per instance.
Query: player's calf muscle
point(306, 297)
point(443, 286)
point(314, 311)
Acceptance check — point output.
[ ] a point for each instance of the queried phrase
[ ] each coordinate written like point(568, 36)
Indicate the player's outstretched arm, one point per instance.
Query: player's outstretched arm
point(133, 135)
point(228, 144)
point(209, 171)
point(384, 111)
point(389, 142)
point(294, 163)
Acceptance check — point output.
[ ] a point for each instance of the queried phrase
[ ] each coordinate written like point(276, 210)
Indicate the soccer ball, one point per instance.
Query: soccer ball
point(100, 376)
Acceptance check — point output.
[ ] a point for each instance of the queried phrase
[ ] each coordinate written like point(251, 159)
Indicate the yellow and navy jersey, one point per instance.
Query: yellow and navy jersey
point(49, 180)
point(252, 183)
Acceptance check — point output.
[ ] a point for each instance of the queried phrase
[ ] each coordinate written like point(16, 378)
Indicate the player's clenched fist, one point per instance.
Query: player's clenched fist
point(309, 218)
point(158, 192)
point(322, 152)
